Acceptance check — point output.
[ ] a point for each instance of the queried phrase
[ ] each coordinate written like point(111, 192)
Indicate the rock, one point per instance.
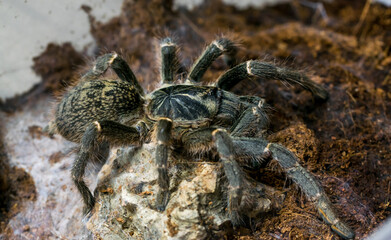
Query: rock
point(126, 192)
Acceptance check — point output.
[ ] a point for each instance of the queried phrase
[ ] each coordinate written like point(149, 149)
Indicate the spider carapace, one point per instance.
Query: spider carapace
point(185, 102)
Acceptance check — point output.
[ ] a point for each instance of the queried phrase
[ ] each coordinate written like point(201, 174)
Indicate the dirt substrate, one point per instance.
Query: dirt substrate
point(344, 142)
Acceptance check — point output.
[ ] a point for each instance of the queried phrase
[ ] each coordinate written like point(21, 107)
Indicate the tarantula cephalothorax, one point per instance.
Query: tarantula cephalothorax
point(100, 112)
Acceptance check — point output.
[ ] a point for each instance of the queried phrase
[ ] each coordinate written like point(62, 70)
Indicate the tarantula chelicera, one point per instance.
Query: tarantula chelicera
point(101, 112)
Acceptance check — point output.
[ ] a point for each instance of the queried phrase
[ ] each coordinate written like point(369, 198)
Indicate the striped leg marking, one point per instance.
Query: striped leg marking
point(169, 60)
point(266, 71)
point(211, 53)
point(257, 147)
point(225, 148)
point(164, 127)
point(311, 188)
point(114, 132)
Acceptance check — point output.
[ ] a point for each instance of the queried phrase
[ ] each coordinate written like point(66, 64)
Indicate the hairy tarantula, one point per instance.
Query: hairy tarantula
point(101, 112)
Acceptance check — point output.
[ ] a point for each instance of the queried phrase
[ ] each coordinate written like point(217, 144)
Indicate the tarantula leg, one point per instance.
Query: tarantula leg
point(169, 60)
point(268, 71)
point(211, 53)
point(111, 131)
point(163, 135)
point(252, 120)
point(120, 67)
point(123, 71)
point(309, 185)
point(233, 173)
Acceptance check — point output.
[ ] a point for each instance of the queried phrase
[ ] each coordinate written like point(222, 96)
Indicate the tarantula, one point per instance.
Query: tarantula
point(100, 112)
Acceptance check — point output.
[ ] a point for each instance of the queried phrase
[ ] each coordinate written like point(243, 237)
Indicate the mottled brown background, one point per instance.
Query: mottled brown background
point(344, 142)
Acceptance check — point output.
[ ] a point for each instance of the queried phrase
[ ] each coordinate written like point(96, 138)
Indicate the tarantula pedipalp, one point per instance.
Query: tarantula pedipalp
point(100, 112)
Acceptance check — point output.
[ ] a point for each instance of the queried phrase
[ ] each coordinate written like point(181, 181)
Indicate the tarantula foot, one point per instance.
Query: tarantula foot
point(236, 218)
point(90, 203)
point(87, 210)
point(320, 93)
point(162, 200)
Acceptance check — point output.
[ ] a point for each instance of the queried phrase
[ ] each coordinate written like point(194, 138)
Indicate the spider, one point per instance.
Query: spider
point(100, 112)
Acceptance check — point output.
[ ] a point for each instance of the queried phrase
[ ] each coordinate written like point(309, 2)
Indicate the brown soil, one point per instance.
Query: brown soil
point(344, 141)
